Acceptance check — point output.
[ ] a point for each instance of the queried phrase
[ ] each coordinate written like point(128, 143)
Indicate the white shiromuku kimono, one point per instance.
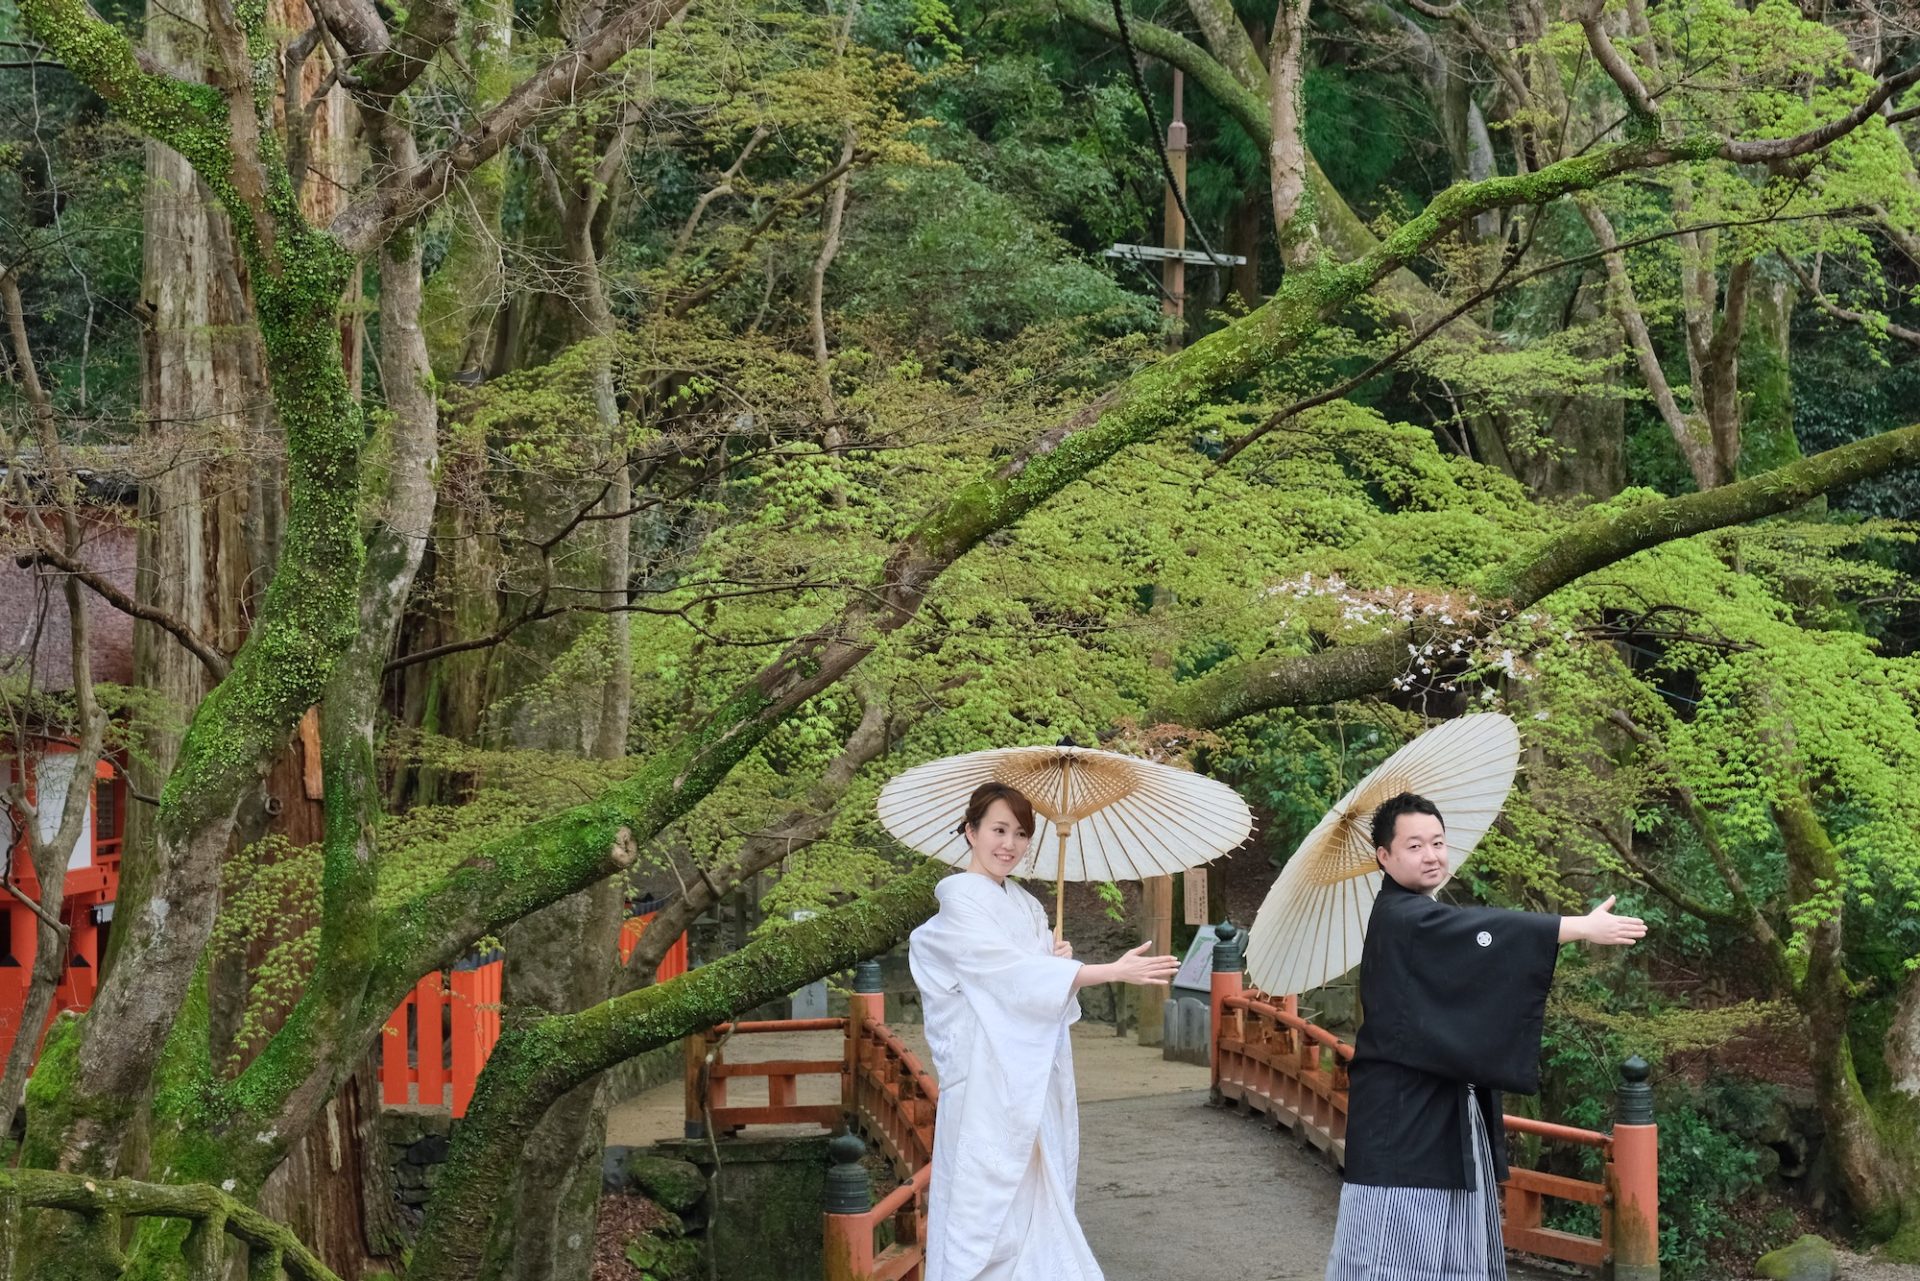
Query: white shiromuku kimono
point(1006, 1142)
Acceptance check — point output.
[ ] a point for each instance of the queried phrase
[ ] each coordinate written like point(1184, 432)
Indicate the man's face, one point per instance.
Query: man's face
point(1417, 859)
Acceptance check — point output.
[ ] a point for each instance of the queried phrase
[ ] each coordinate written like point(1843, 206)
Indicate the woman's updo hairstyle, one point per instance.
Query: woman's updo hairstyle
point(982, 800)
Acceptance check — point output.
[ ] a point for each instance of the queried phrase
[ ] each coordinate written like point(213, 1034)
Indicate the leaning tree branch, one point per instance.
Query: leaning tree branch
point(1590, 543)
point(507, 878)
point(188, 116)
point(429, 25)
point(103, 587)
point(536, 1064)
point(1872, 324)
point(1593, 22)
point(202, 1204)
point(1665, 886)
point(1773, 150)
point(794, 831)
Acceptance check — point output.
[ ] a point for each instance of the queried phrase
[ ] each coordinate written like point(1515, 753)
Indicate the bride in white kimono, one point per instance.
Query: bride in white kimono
point(998, 998)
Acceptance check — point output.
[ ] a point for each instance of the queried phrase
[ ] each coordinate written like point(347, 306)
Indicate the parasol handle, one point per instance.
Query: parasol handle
point(1060, 890)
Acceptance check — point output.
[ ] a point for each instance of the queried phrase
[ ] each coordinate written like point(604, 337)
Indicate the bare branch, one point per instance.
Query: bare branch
point(766, 221)
point(563, 80)
point(103, 587)
point(722, 188)
point(1872, 324)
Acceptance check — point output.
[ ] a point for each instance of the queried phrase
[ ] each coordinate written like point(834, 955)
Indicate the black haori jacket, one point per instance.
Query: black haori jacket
point(1449, 997)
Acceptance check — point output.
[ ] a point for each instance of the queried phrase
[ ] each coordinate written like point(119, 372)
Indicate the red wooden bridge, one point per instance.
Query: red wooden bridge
point(1267, 1061)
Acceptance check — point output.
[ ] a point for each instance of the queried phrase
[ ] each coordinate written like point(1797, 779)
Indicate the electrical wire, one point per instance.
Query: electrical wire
point(1153, 125)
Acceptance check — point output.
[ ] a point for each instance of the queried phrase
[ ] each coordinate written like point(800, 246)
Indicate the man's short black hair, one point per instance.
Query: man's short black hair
point(1390, 811)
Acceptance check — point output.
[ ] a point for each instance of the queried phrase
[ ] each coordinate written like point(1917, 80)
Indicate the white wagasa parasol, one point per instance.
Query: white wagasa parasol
point(1100, 816)
point(1314, 921)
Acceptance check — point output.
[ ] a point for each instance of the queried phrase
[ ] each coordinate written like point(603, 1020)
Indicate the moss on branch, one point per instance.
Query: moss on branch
point(195, 1202)
point(1601, 539)
point(536, 1064)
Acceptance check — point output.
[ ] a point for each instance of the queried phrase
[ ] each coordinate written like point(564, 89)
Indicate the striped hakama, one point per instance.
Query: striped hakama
point(1423, 1234)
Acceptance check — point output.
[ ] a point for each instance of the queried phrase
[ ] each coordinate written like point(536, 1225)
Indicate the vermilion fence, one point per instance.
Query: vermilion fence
point(1269, 1060)
point(886, 1098)
point(439, 1038)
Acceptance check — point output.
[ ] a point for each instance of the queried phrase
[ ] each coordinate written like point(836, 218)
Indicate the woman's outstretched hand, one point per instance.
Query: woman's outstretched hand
point(1133, 967)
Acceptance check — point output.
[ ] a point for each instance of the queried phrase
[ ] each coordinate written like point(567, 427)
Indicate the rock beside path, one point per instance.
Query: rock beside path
point(1811, 1258)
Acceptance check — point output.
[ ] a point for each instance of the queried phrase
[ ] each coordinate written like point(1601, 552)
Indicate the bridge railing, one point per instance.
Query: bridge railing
point(885, 1099)
point(709, 1072)
point(892, 1100)
point(1268, 1059)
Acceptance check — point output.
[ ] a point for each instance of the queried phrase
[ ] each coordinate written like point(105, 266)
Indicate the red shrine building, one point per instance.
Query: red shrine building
point(36, 657)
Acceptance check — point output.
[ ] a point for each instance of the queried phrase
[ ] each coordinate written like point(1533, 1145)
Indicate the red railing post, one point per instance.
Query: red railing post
point(394, 1076)
point(430, 1072)
point(1636, 1177)
point(846, 1226)
point(468, 1053)
point(866, 1004)
point(1229, 979)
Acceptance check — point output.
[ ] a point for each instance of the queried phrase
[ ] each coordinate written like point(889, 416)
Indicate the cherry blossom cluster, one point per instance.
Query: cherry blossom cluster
point(1407, 607)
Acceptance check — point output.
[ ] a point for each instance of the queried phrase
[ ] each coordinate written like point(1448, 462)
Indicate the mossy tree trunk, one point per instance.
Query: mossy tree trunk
point(1875, 1138)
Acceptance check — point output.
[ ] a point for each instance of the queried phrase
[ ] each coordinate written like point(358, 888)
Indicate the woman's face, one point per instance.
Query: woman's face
point(998, 843)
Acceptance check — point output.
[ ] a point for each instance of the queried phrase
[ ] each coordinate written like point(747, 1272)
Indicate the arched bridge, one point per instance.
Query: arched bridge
point(1267, 1062)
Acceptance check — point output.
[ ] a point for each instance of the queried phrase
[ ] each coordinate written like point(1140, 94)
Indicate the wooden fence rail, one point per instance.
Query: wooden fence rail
point(439, 1039)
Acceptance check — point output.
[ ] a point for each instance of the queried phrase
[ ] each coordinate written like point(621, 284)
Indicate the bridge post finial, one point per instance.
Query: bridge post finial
point(847, 1236)
point(1224, 984)
point(866, 978)
point(1229, 948)
point(1633, 1098)
point(849, 1189)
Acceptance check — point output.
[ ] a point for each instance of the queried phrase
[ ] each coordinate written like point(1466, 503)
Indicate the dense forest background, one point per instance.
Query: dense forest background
point(471, 464)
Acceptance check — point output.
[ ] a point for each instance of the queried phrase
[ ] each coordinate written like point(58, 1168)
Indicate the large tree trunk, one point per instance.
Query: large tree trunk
point(1586, 434)
point(1875, 1142)
point(1766, 385)
point(565, 958)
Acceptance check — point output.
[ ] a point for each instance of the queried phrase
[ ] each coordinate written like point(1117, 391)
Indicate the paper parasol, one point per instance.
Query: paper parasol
point(1100, 816)
point(1311, 927)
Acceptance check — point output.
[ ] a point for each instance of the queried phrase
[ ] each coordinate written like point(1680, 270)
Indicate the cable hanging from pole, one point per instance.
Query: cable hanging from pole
point(1153, 127)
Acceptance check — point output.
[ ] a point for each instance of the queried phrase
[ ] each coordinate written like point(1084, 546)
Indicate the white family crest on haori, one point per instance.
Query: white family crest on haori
point(1314, 921)
point(1099, 816)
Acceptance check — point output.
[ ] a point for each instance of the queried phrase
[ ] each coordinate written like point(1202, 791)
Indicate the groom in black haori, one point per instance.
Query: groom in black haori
point(1452, 1000)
